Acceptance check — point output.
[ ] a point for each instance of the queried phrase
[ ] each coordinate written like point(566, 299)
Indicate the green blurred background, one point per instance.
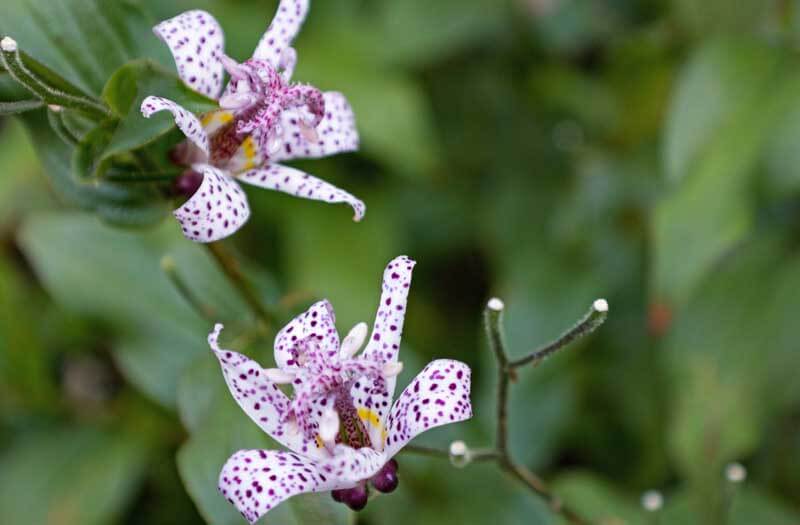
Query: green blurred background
point(548, 152)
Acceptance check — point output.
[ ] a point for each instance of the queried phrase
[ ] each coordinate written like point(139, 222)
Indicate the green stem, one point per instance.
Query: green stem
point(202, 309)
point(230, 268)
point(19, 106)
point(13, 63)
point(589, 323)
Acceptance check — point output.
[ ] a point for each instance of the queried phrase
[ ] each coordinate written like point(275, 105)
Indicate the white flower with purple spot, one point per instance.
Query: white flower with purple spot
point(263, 119)
point(340, 425)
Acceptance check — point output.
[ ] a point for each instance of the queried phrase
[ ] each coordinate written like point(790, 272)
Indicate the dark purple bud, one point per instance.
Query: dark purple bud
point(355, 498)
point(386, 479)
point(187, 183)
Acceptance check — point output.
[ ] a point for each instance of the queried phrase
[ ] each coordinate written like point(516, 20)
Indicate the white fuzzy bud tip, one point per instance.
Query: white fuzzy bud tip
point(736, 472)
point(600, 305)
point(496, 304)
point(458, 448)
point(8, 44)
point(652, 501)
point(55, 108)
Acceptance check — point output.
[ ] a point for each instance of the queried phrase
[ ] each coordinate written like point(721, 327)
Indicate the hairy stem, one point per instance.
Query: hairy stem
point(590, 322)
point(230, 268)
point(202, 309)
point(12, 62)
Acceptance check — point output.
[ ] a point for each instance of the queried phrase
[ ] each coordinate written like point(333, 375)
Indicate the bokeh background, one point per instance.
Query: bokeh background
point(548, 152)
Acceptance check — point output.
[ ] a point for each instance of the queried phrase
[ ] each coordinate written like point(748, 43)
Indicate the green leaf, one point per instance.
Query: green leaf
point(124, 93)
point(116, 276)
point(70, 477)
point(84, 41)
point(729, 349)
point(127, 205)
point(712, 148)
point(598, 499)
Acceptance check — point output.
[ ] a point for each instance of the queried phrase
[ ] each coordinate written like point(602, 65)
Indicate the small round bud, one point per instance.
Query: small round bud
point(8, 44)
point(600, 305)
point(355, 498)
point(460, 455)
point(168, 264)
point(735, 472)
point(386, 480)
point(495, 304)
point(187, 183)
point(652, 501)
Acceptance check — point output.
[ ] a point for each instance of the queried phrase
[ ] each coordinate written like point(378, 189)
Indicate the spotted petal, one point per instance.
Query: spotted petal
point(216, 210)
point(336, 133)
point(282, 30)
point(437, 396)
point(185, 120)
point(260, 398)
point(301, 184)
point(318, 322)
point(255, 481)
point(197, 42)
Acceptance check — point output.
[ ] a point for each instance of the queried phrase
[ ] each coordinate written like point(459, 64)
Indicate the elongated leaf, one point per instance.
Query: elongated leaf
point(124, 94)
point(713, 151)
point(84, 41)
point(70, 477)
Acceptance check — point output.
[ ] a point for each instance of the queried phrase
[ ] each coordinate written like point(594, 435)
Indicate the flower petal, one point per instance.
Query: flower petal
point(319, 322)
point(185, 120)
point(384, 345)
point(437, 396)
point(300, 184)
point(282, 30)
point(197, 42)
point(348, 466)
point(336, 133)
point(373, 398)
point(260, 398)
point(255, 481)
point(216, 210)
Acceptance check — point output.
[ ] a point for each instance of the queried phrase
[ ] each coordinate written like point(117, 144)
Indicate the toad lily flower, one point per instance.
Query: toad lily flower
point(340, 424)
point(263, 119)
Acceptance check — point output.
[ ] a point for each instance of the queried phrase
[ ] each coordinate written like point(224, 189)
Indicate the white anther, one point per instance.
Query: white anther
point(496, 304)
point(278, 376)
point(8, 44)
point(652, 501)
point(329, 426)
point(735, 472)
point(237, 100)
point(353, 341)
point(600, 305)
point(392, 369)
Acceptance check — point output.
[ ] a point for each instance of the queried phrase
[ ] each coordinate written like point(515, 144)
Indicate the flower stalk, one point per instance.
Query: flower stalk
point(230, 267)
point(12, 62)
point(461, 456)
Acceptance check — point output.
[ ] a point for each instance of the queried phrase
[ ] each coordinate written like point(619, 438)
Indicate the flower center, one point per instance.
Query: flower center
point(258, 96)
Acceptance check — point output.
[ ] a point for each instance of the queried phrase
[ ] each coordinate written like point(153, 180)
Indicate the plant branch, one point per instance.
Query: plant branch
point(12, 61)
point(202, 309)
point(493, 318)
point(230, 266)
point(590, 322)
point(19, 106)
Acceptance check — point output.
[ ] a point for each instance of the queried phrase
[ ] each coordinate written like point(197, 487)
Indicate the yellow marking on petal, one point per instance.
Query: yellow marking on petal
point(249, 150)
point(216, 118)
point(320, 444)
point(370, 417)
